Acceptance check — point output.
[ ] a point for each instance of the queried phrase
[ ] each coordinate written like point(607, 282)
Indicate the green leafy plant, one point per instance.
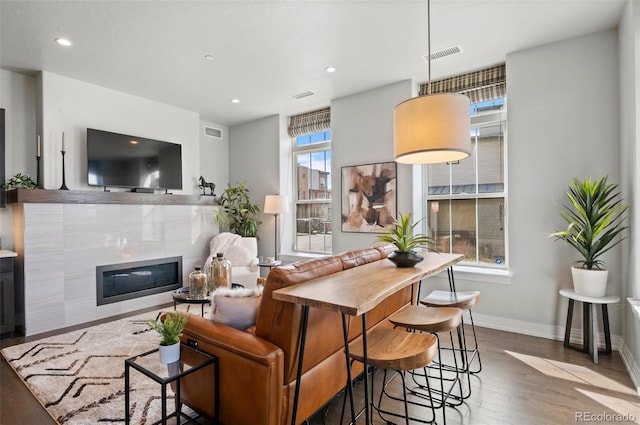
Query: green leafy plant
point(237, 213)
point(171, 328)
point(20, 180)
point(403, 237)
point(594, 219)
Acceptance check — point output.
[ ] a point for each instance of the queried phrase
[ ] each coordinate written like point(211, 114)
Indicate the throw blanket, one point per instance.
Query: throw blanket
point(228, 244)
point(222, 241)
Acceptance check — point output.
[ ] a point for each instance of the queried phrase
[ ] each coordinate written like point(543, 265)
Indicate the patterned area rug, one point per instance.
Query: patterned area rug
point(79, 376)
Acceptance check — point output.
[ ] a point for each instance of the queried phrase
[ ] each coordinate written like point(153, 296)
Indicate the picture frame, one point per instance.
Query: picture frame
point(369, 197)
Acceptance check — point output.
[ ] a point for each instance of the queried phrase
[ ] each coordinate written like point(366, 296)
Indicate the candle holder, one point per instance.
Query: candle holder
point(38, 183)
point(64, 185)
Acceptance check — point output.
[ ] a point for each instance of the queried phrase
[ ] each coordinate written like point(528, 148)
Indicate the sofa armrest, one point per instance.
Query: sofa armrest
point(250, 368)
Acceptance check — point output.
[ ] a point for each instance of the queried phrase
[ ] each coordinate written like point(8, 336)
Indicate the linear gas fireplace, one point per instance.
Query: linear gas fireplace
point(124, 281)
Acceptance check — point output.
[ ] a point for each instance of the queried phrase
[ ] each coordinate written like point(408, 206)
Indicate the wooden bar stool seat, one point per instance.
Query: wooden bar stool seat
point(463, 300)
point(426, 319)
point(435, 320)
point(399, 351)
point(395, 349)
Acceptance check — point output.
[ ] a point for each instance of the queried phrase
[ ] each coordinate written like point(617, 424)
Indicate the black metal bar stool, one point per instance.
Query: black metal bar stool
point(436, 320)
point(397, 351)
point(465, 301)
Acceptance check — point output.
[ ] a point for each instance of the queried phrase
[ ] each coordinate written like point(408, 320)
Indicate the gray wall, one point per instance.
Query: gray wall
point(362, 133)
point(630, 168)
point(254, 158)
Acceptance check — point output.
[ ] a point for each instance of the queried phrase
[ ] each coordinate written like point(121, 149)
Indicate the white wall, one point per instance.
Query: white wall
point(362, 133)
point(629, 33)
point(214, 157)
point(254, 157)
point(18, 98)
point(71, 106)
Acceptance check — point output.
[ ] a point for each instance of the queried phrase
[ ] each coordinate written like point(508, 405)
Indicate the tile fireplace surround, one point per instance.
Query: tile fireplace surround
point(61, 241)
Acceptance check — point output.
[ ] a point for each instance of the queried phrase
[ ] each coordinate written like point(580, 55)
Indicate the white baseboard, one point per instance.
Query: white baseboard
point(557, 333)
point(538, 330)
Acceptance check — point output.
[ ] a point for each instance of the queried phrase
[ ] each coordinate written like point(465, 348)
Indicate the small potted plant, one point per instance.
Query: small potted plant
point(594, 220)
point(20, 180)
point(170, 329)
point(237, 213)
point(403, 237)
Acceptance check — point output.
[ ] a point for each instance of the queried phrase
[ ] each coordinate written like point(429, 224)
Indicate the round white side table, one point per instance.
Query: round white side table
point(589, 331)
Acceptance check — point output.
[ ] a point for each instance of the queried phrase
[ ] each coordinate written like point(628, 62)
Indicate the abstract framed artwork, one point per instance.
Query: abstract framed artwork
point(369, 197)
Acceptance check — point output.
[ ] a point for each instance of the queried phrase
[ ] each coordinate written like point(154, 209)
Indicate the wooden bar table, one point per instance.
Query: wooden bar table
point(355, 292)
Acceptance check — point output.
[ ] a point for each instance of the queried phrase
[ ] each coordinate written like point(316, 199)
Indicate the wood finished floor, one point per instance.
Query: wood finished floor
point(525, 380)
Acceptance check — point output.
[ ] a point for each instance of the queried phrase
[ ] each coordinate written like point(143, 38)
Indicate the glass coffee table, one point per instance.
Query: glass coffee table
point(149, 365)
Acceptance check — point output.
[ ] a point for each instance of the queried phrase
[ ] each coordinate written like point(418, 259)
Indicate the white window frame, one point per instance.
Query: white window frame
point(295, 151)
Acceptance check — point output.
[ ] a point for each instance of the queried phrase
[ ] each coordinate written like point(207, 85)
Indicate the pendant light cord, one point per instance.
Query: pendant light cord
point(429, 46)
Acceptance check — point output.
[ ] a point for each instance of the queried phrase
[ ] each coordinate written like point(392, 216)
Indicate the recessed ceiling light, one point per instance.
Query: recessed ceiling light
point(330, 69)
point(63, 41)
point(134, 142)
point(235, 100)
point(208, 57)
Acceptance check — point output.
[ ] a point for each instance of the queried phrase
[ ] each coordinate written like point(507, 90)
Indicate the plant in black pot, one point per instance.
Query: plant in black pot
point(594, 218)
point(404, 238)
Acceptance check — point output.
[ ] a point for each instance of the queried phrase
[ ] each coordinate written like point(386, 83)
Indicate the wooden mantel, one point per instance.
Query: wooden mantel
point(44, 196)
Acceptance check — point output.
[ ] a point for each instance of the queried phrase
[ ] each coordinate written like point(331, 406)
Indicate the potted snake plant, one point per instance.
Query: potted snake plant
point(594, 216)
point(406, 241)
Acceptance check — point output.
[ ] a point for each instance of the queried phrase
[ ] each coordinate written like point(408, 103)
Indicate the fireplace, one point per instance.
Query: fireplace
point(124, 281)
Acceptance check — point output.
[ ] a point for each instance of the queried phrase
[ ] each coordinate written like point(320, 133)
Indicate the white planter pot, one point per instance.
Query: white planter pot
point(590, 283)
point(169, 353)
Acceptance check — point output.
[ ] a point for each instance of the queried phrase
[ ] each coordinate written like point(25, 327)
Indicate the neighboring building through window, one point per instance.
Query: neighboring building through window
point(312, 161)
point(467, 200)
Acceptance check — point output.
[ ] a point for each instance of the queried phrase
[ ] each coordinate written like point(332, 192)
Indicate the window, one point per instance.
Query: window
point(312, 162)
point(466, 200)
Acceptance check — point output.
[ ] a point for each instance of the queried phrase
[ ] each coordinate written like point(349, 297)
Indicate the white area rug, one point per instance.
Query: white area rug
point(79, 376)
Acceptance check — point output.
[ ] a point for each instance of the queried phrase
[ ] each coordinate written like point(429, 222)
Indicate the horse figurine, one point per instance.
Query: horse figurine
point(204, 185)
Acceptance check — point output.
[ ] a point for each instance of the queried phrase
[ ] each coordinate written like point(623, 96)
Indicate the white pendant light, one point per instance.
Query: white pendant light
point(433, 128)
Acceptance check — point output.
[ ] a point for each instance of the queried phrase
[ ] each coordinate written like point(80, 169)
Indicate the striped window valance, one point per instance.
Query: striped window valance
point(310, 122)
point(480, 86)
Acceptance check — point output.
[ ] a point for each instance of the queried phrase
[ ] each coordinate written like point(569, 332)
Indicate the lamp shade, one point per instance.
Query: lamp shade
point(432, 129)
point(276, 204)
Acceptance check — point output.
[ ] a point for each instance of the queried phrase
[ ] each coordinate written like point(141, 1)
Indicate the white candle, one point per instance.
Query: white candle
point(63, 140)
point(38, 147)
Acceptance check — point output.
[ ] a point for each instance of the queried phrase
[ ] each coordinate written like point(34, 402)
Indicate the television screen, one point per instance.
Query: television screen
point(121, 160)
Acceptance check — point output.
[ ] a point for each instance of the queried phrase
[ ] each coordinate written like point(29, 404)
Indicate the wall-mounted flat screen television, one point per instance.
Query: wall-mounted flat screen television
point(120, 160)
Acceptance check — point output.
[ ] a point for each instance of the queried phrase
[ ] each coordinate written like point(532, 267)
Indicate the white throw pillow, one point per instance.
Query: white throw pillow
point(236, 307)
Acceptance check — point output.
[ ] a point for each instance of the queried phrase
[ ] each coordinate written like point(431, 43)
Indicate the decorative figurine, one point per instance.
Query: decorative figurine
point(204, 185)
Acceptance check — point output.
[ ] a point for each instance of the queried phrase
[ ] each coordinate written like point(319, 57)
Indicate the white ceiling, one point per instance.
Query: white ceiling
point(265, 50)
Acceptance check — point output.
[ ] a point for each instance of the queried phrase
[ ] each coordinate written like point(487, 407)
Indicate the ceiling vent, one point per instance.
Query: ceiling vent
point(302, 94)
point(444, 52)
point(216, 133)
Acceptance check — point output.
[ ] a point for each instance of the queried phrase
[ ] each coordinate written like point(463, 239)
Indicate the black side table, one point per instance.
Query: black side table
point(149, 365)
point(182, 296)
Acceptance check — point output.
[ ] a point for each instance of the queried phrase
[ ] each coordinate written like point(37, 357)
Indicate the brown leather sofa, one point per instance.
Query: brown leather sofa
point(258, 368)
